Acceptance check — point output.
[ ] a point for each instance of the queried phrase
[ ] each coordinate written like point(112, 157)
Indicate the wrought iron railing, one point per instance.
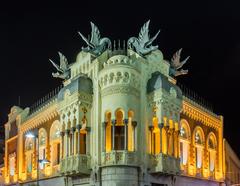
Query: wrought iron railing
point(192, 95)
point(44, 100)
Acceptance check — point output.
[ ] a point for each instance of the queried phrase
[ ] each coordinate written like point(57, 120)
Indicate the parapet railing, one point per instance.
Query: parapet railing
point(44, 100)
point(192, 95)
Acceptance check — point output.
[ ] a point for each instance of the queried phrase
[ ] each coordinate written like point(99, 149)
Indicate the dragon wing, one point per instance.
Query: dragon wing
point(56, 66)
point(95, 35)
point(63, 62)
point(152, 39)
point(85, 39)
point(143, 34)
point(176, 59)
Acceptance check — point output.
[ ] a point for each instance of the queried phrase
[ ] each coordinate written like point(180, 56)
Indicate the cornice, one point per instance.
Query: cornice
point(39, 118)
point(199, 114)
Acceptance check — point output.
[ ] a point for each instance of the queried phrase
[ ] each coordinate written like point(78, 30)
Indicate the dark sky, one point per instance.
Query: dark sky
point(207, 31)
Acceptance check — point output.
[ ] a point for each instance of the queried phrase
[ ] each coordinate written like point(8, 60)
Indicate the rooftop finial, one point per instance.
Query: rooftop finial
point(119, 45)
point(114, 45)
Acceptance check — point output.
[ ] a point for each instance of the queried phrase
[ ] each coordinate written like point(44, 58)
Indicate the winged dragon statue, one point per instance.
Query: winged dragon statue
point(176, 64)
point(96, 45)
point(143, 44)
point(63, 70)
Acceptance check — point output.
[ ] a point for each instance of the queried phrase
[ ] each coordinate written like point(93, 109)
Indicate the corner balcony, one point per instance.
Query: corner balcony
point(75, 164)
point(162, 163)
point(119, 157)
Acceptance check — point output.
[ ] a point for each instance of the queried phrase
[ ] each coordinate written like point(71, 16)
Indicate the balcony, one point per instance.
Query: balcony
point(119, 158)
point(75, 164)
point(162, 163)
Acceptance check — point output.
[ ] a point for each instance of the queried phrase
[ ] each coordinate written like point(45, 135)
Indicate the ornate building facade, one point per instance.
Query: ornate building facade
point(119, 119)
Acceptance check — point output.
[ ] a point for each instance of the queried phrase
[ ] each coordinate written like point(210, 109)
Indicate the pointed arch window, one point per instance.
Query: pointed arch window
point(55, 140)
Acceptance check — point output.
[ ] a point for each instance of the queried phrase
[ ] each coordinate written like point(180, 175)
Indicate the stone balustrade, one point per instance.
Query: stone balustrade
point(75, 164)
point(119, 157)
point(164, 163)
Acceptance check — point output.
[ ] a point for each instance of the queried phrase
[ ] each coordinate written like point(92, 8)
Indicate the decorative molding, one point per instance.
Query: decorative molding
point(200, 115)
point(120, 90)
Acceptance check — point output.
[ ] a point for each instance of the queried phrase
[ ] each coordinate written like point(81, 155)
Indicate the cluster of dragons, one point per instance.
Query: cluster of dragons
point(141, 45)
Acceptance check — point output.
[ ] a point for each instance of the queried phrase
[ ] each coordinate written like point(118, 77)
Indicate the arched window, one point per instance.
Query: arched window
point(119, 133)
point(42, 143)
point(212, 144)
point(184, 140)
point(55, 139)
point(119, 130)
point(198, 142)
point(29, 148)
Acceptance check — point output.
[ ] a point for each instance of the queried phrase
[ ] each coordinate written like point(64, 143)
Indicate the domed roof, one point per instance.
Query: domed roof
point(82, 83)
point(158, 81)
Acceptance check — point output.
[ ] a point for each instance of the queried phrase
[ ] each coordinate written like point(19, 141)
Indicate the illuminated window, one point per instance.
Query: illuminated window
point(55, 142)
point(198, 141)
point(12, 164)
point(29, 147)
point(212, 151)
point(119, 131)
point(184, 141)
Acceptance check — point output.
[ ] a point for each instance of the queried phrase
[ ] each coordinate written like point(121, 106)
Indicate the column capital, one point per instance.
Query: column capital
point(151, 127)
point(134, 123)
point(67, 131)
point(62, 133)
point(161, 125)
point(125, 121)
point(73, 129)
point(78, 126)
point(114, 121)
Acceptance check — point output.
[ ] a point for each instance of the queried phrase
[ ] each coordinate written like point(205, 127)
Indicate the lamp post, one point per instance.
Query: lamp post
point(43, 161)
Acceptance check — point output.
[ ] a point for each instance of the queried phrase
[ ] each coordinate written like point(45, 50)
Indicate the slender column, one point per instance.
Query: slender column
point(104, 136)
point(134, 124)
point(113, 134)
point(176, 143)
point(167, 137)
point(125, 134)
point(78, 143)
point(172, 141)
point(160, 125)
point(67, 142)
point(62, 144)
point(73, 137)
point(151, 133)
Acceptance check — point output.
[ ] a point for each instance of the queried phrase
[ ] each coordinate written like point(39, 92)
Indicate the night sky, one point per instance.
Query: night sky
point(209, 32)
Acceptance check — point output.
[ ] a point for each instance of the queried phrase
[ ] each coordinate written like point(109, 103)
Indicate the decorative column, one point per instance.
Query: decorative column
point(151, 134)
point(78, 127)
point(160, 125)
point(171, 141)
point(167, 138)
point(125, 121)
point(73, 137)
point(67, 142)
point(134, 124)
point(113, 134)
point(62, 144)
point(176, 143)
point(104, 136)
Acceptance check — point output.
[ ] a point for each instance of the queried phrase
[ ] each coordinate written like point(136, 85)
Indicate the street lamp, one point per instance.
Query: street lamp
point(43, 161)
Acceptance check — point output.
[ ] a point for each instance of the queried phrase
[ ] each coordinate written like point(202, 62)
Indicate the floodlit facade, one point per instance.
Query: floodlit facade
point(125, 122)
point(232, 165)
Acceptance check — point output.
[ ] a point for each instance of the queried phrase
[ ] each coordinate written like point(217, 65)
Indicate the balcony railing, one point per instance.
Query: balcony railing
point(119, 157)
point(162, 163)
point(75, 164)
